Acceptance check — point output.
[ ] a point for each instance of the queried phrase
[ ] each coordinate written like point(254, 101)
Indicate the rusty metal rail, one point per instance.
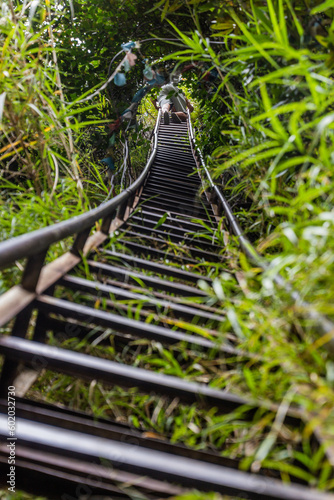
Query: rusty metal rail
point(161, 250)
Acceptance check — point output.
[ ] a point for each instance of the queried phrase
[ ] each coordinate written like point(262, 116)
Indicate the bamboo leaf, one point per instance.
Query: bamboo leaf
point(295, 18)
point(2, 104)
point(253, 40)
point(165, 10)
point(161, 220)
point(274, 20)
point(249, 152)
point(322, 7)
point(276, 124)
point(32, 10)
point(156, 6)
point(282, 23)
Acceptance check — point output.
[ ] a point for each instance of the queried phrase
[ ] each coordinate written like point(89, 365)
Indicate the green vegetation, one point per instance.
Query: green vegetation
point(266, 126)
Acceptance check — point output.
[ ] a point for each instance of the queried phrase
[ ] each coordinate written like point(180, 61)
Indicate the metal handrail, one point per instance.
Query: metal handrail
point(32, 243)
point(325, 325)
point(245, 244)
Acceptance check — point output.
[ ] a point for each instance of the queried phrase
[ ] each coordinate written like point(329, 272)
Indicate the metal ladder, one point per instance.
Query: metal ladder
point(166, 240)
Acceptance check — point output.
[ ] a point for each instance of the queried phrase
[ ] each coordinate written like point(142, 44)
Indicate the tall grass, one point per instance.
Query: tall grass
point(267, 129)
point(40, 130)
point(273, 133)
point(48, 171)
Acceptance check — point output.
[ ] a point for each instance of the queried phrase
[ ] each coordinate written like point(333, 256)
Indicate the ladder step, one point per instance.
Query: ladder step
point(156, 267)
point(149, 252)
point(193, 251)
point(173, 235)
point(130, 276)
point(175, 224)
point(107, 290)
point(90, 367)
point(182, 213)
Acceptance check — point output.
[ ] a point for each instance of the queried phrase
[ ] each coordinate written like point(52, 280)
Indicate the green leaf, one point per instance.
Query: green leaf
point(2, 104)
point(156, 6)
point(192, 43)
point(282, 23)
point(252, 39)
point(266, 446)
point(249, 379)
point(274, 21)
point(276, 124)
point(322, 7)
point(247, 153)
point(296, 20)
point(139, 281)
point(165, 10)
point(161, 220)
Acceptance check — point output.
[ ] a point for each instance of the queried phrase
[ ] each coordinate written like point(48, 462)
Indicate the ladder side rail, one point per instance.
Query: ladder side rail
point(30, 244)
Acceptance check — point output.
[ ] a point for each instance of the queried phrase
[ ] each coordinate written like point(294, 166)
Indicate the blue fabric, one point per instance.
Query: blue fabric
point(152, 82)
point(120, 79)
point(128, 45)
point(109, 162)
point(112, 140)
point(126, 66)
point(213, 74)
point(126, 111)
point(140, 94)
point(159, 78)
point(148, 72)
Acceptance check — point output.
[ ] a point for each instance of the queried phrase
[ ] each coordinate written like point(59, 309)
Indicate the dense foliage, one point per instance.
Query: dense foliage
point(266, 127)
